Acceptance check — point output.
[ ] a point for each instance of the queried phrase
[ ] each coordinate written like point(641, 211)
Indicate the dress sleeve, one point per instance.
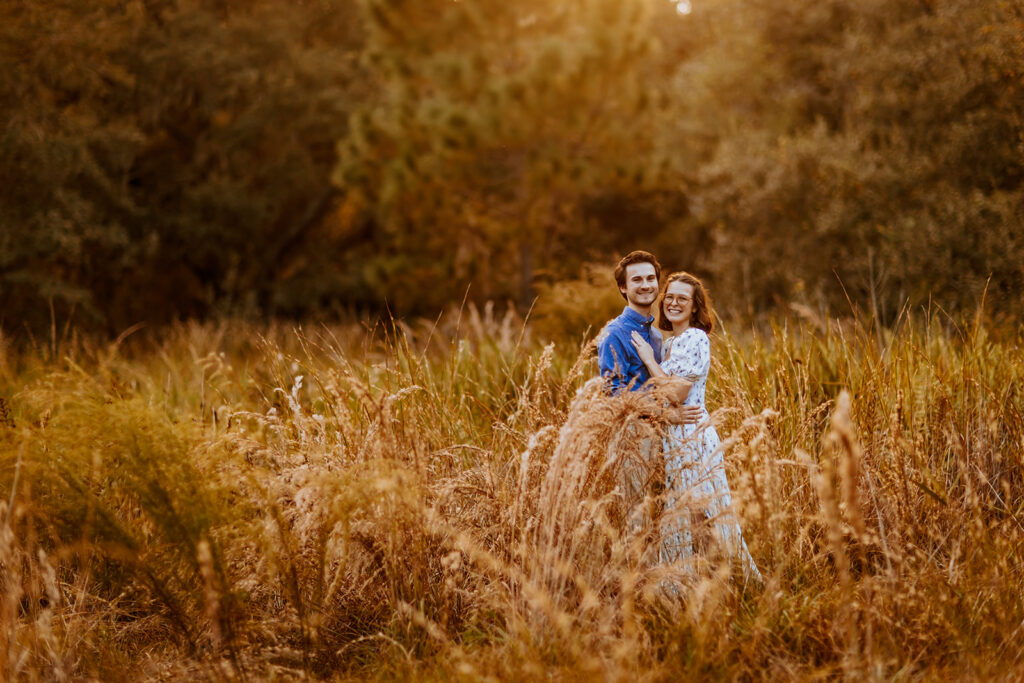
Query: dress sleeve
point(691, 355)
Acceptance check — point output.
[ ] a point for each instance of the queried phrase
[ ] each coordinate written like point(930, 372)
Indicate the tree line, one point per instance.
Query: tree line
point(179, 158)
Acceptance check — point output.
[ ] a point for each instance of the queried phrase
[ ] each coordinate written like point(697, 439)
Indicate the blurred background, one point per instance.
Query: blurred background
point(169, 159)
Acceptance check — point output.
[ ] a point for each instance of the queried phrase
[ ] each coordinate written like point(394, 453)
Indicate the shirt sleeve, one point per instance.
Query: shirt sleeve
point(657, 343)
point(691, 355)
point(612, 359)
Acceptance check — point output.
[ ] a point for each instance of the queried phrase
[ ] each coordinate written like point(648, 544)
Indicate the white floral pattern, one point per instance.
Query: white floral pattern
point(694, 468)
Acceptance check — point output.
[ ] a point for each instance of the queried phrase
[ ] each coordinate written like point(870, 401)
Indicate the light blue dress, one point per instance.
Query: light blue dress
point(694, 467)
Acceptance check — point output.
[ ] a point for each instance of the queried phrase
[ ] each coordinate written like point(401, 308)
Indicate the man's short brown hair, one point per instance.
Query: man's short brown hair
point(628, 260)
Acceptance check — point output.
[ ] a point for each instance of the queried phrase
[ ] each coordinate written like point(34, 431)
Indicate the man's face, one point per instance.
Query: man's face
point(641, 284)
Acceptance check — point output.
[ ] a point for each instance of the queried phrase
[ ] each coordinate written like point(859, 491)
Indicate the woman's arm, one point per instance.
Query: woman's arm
point(646, 353)
point(673, 388)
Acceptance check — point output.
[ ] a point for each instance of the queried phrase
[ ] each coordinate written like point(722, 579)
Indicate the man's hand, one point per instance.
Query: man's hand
point(689, 415)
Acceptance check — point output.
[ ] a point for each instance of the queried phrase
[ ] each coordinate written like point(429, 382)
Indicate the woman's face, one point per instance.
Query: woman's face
point(678, 303)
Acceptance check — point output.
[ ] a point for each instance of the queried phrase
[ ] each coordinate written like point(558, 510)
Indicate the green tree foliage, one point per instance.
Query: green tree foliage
point(502, 134)
point(163, 158)
point(883, 141)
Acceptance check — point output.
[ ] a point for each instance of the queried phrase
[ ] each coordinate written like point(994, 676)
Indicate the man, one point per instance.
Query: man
point(642, 472)
point(637, 278)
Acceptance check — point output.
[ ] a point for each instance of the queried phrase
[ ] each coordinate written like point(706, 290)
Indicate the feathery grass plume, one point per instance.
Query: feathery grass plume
point(843, 517)
point(211, 594)
point(842, 442)
point(10, 597)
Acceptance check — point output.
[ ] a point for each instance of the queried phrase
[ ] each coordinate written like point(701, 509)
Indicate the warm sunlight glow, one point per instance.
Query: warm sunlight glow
point(684, 7)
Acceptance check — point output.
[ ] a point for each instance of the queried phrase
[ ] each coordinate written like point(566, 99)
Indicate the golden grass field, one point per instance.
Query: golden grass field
point(225, 501)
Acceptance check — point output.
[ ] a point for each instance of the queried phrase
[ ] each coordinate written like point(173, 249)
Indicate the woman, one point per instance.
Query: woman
point(694, 468)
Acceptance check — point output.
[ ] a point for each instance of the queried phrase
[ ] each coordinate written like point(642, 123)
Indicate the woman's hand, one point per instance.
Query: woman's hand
point(643, 349)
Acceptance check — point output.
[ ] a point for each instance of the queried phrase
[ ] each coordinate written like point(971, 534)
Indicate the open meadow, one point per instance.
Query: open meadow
point(195, 488)
point(225, 501)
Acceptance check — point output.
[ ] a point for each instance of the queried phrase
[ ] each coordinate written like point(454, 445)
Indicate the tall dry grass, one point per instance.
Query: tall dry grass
point(442, 501)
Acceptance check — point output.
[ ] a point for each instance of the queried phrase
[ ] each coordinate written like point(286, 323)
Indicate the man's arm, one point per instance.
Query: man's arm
point(611, 360)
point(686, 415)
point(668, 394)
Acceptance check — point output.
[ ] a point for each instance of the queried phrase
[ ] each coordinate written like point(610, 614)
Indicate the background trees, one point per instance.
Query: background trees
point(166, 158)
point(183, 157)
point(880, 143)
point(501, 136)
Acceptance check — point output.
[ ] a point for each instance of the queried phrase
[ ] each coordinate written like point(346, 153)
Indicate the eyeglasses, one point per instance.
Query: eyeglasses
point(677, 299)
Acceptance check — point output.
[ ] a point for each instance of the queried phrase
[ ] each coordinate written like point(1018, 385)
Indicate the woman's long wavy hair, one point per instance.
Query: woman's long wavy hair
point(703, 314)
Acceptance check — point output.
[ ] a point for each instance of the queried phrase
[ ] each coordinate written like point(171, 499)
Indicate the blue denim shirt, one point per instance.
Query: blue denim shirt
point(619, 363)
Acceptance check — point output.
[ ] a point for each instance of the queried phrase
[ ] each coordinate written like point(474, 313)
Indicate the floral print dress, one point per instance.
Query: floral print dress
point(694, 468)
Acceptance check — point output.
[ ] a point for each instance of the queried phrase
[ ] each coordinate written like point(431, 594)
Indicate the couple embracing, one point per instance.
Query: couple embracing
point(633, 354)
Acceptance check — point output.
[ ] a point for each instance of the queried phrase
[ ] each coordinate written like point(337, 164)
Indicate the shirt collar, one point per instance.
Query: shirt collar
point(632, 315)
